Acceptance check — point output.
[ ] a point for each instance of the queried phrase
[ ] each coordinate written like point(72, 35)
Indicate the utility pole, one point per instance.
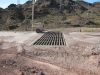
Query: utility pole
point(88, 10)
point(59, 13)
point(60, 5)
point(18, 2)
point(32, 14)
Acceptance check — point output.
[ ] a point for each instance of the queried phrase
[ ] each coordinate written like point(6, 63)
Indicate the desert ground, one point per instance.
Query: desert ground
point(80, 55)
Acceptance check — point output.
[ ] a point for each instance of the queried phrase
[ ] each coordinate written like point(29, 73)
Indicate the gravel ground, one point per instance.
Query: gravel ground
point(80, 57)
point(18, 37)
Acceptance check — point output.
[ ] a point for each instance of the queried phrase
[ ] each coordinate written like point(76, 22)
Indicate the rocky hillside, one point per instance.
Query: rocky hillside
point(53, 13)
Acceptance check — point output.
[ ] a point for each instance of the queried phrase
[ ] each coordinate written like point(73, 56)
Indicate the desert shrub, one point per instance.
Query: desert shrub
point(26, 21)
point(26, 24)
point(45, 22)
point(5, 27)
point(91, 23)
point(12, 6)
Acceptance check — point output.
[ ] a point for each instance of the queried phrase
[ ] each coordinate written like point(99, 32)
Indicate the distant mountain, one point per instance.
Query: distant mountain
point(51, 12)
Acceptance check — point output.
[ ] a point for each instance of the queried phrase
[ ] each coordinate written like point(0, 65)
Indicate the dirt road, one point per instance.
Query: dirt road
point(79, 57)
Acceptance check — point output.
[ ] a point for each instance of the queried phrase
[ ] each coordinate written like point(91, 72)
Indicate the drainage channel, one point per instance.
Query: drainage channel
point(51, 38)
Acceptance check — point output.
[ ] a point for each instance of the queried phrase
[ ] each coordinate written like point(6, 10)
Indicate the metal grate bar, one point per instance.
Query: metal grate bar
point(51, 38)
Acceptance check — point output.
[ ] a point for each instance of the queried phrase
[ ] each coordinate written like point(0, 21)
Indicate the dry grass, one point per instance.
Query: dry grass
point(91, 30)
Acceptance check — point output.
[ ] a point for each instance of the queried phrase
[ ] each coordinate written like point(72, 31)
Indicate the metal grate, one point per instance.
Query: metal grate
point(51, 38)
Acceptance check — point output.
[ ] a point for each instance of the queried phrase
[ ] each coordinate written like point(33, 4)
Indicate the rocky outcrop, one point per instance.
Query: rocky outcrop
point(19, 13)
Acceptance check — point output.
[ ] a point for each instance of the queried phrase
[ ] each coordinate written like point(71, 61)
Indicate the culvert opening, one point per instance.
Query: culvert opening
point(51, 38)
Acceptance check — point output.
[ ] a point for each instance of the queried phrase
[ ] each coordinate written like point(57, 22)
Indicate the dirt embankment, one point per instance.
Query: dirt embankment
point(78, 59)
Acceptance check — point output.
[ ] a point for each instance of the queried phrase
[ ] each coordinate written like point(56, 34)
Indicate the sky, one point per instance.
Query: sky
point(6, 3)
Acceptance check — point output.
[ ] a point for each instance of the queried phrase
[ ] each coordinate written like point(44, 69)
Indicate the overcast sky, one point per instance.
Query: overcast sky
point(5, 3)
